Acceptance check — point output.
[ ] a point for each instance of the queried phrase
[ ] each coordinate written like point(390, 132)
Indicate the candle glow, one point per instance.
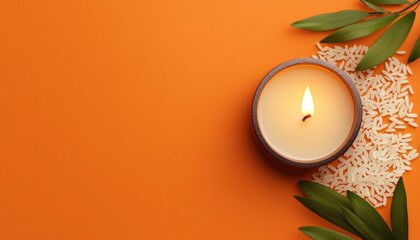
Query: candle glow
point(285, 113)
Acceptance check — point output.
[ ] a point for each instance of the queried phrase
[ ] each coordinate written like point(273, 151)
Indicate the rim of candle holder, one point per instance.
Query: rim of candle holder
point(358, 112)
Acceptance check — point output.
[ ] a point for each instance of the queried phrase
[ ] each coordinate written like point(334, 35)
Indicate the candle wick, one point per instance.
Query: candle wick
point(306, 117)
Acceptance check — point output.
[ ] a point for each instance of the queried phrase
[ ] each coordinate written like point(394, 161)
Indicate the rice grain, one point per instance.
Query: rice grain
point(380, 154)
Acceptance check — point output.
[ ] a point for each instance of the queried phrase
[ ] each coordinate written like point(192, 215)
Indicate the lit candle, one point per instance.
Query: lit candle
point(284, 112)
point(307, 106)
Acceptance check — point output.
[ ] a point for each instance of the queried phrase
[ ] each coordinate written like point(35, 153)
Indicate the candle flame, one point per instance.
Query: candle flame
point(307, 106)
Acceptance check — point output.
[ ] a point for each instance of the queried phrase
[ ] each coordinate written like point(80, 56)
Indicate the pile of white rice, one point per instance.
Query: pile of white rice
point(382, 151)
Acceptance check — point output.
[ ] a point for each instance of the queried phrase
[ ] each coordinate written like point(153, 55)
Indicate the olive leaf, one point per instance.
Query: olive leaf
point(330, 212)
point(370, 216)
point(399, 214)
point(360, 226)
point(329, 21)
point(360, 29)
point(323, 193)
point(415, 52)
point(348, 20)
point(318, 233)
point(388, 42)
point(388, 2)
point(360, 219)
point(373, 6)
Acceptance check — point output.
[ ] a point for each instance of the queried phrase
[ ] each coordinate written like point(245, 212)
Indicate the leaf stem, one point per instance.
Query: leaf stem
point(416, 2)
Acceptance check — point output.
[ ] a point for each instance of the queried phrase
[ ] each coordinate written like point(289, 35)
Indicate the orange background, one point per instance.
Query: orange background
point(131, 119)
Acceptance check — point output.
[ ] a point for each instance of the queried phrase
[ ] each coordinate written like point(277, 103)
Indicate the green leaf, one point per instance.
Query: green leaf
point(328, 21)
point(360, 226)
point(388, 42)
point(388, 2)
point(323, 193)
point(318, 233)
point(415, 52)
point(360, 29)
point(373, 6)
point(399, 215)
point(329, 212)
point(370, 216)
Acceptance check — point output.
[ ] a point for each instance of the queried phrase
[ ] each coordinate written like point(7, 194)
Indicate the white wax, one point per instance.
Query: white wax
point(280, 116)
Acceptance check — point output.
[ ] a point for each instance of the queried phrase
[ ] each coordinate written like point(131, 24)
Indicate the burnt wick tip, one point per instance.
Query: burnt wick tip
point(306, 117)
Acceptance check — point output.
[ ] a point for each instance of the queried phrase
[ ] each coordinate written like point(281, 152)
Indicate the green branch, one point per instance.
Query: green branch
point(351, 24)
point(416, 2)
